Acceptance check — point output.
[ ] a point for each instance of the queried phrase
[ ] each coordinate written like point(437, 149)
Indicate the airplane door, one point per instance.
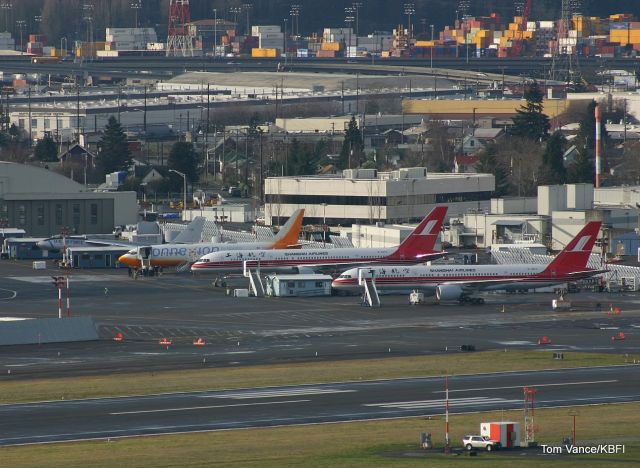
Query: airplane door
point(144, 253)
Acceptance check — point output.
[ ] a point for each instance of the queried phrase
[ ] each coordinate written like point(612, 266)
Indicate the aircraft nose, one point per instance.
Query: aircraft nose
point(127, 259)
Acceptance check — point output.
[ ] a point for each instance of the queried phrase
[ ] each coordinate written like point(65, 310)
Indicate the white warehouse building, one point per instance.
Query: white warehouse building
point(367, 196)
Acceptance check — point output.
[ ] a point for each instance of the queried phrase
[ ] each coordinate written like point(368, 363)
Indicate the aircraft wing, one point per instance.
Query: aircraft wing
point(115, 243)
point(481, 284)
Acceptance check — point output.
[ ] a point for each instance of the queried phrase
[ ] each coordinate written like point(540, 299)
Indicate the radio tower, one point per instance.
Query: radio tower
point(179, 41)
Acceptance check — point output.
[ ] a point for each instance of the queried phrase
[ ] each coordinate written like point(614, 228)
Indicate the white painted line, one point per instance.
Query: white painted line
point(592, 382)
point(165, 410)
point(278, 393)
point(440, 403)
point(518, 373)
point(422, 401)
point(12, 296)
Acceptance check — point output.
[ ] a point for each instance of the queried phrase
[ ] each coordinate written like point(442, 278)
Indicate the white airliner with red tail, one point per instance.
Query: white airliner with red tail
point(416, 248)
point(460, 282)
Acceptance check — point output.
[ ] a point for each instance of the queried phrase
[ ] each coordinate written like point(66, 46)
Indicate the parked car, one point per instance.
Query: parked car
point(480, 442)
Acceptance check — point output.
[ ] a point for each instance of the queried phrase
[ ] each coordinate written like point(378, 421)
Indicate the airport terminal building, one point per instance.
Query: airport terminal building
point(43, 202)
point(366, 196)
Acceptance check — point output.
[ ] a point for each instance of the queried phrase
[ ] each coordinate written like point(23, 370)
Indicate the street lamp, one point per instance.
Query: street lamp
point(184, 193)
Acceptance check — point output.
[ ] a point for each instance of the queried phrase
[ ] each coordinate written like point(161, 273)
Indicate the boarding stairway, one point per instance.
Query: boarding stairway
point(255, 282)
point(370, 292)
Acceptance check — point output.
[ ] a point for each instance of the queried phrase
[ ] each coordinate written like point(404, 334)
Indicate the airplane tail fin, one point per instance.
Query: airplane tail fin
point(193, 233)
point(289, 234)
point(575, 255)
point(423, 239)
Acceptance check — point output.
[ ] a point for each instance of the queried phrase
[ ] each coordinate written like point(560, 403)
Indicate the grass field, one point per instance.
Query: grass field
point(14, 391)
point(361, 444)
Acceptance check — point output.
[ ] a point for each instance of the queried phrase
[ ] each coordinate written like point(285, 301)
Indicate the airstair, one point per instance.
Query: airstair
point(255, 282)
point(368, 283)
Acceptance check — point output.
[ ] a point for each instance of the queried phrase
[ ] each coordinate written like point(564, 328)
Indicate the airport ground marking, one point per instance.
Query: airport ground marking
point(191, 408)
point(592, 382)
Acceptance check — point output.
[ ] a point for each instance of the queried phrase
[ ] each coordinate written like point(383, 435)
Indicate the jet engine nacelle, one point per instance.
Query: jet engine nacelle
point(448, 292)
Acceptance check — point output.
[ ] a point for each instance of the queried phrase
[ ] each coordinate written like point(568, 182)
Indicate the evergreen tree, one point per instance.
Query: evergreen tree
point(531, 122)
point(488, 164)
point(114, 152)
point(352, 147)
point(183, 158)
point(582, 170)
point(46, 150)
point(553, 171)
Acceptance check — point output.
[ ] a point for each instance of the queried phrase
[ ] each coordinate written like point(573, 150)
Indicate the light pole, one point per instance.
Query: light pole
point(21, 24)
point(285, 42)
point(136, 6)
point(432, 45)
point(215, 33)
point(184, 192)
point(349, 19)
point(324, 223)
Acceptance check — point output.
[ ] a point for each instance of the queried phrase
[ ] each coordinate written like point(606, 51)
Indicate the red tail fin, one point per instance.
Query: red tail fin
point(575, 255)
point(423, 239)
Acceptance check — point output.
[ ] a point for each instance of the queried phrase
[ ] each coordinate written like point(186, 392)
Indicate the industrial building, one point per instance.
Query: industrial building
point(367, 196)
point(43, 203)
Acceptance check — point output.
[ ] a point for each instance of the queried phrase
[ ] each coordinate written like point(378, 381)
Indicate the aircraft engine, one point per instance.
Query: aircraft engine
point(448, 292)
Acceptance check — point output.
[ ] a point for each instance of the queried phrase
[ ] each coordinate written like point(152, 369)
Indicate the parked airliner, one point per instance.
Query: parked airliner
point(460, 282)
point(164, 255)
point(417, 247)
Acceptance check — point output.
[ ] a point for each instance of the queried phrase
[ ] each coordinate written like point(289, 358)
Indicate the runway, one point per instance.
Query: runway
point(271, 330)
point(309, 404)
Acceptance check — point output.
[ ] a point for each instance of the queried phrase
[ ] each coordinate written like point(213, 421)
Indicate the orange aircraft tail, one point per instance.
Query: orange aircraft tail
point(289, 235)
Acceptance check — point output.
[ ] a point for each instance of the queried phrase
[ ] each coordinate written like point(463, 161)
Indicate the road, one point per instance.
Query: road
point(308, 404)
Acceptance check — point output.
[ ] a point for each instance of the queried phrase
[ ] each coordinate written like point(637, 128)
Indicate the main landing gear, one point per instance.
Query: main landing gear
point(471, 300)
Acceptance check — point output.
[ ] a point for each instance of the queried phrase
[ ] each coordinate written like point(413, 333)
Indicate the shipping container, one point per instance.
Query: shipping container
point(264, 53)
point(326, 54)
point(332, 46)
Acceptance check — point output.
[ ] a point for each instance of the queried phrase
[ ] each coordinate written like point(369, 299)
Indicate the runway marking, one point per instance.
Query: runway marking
point(592, 382)
point(74, 279)
point(278, 393)
point(454, 402)
point(12, 296)
point(191, 408)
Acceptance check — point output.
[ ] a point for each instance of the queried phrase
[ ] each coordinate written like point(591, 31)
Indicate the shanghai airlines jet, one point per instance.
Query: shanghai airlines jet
point(417, 247)
point(459, 282)
point(178, 254)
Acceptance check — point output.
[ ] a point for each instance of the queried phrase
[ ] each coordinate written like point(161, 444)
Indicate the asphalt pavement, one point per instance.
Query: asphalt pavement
point(126, 416)
point(241, 331)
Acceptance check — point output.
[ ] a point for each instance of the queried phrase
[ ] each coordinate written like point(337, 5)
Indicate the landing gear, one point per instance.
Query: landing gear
point(471, 300)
